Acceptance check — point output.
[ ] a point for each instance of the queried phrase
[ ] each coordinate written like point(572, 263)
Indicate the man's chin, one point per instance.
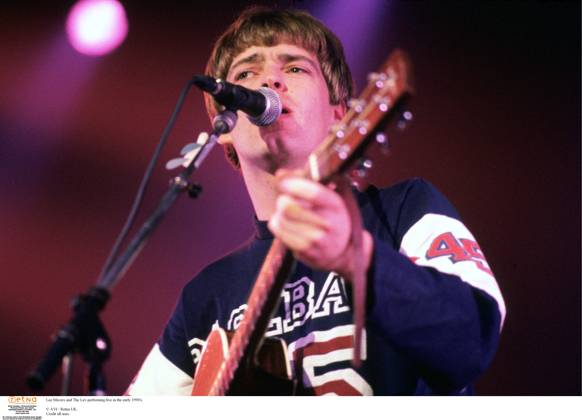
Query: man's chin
point(284, 126)
point(271, 162)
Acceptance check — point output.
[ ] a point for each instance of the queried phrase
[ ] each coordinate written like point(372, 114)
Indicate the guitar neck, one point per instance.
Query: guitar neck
point(263, 301)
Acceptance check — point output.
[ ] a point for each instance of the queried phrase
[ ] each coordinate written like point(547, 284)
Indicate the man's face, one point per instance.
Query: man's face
point(296, 76)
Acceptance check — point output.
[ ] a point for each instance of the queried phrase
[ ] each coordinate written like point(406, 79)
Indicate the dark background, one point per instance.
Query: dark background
point(497, 129)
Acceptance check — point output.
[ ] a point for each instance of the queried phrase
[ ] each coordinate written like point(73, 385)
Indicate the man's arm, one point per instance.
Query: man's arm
point(434, 298)
point(167, 369)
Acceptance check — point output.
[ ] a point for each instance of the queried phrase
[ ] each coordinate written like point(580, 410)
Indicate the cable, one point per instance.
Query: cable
point(143, 185)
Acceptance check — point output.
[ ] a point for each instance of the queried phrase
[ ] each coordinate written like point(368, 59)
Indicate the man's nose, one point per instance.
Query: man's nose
point(274, 82)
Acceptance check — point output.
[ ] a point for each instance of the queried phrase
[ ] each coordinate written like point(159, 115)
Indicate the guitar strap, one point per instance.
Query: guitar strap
point(358, 272)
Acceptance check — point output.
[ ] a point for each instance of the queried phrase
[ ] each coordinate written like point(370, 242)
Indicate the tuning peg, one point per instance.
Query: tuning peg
point(357, 105)
point(339, 130)
point(367, 164)
point(363, 166)
point(378, 79)
point(382, 140)
point(343, 151)
point(404, 120)
point(361, 125)
point(384, 102)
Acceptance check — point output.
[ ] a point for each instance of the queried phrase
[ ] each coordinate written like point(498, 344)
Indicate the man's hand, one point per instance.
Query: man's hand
point(313, 221)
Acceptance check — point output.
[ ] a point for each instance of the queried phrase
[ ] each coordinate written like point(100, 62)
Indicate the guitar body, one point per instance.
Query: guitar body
point(270, 374)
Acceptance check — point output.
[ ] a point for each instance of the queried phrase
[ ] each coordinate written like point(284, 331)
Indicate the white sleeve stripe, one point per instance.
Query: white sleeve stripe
point(159, 376)
point(417, 241)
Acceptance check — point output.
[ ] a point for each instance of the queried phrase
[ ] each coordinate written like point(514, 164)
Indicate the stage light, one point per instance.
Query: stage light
point(96, 27)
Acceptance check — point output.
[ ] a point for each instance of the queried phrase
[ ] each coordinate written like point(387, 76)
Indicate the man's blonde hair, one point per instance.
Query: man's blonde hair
point(260, 26)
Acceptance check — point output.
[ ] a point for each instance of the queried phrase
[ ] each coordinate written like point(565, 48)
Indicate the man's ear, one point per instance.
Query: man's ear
point(339, 111)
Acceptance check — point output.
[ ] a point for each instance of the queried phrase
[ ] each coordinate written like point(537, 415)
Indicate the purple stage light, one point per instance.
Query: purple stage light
point(96, 27)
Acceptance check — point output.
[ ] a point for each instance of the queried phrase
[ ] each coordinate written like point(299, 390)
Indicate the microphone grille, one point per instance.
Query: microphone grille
point(272, 109)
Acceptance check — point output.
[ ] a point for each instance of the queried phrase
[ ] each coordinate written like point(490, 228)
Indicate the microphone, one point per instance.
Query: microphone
point(262, 106)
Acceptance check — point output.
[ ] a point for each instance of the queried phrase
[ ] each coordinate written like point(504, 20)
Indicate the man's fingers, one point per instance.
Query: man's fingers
point(311, 191)
point(298, 236)
point(292, 210)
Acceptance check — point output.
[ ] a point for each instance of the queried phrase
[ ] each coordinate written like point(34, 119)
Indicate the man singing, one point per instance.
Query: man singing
point(434, 311)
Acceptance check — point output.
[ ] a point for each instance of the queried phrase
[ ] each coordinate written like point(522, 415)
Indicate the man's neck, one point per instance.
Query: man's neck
point(262, 190)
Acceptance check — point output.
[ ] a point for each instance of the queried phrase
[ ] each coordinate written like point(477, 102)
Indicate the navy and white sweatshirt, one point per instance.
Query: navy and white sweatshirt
point(433, 320)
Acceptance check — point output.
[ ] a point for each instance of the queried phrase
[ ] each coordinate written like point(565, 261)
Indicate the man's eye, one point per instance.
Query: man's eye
point(296, 70)
point(243, 75)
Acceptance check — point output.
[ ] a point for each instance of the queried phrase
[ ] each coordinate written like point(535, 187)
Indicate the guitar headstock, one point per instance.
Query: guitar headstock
point(380, 102)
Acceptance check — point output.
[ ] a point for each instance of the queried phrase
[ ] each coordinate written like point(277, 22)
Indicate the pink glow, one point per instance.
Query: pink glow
point(96, 27)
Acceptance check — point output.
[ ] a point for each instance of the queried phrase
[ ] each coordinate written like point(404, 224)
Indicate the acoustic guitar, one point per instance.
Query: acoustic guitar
point(243, 362)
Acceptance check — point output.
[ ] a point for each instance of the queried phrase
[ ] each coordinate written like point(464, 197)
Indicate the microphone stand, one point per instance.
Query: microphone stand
point(84, 333)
